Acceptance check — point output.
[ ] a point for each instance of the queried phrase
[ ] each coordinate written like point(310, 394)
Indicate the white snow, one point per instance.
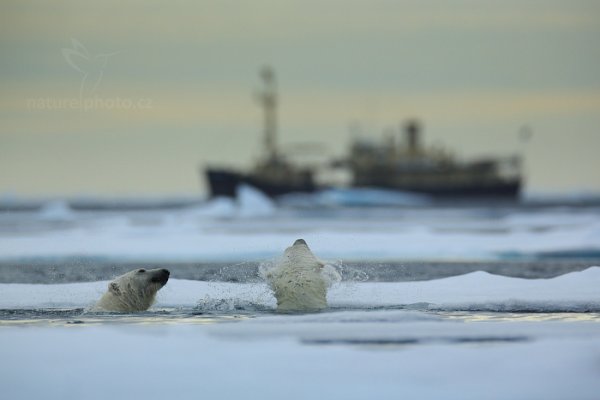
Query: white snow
point(283, 359)
point(190, 239)
point(252, 203)
point(476, 336)
point(251, 228)
point(56, 211)
point(350, 352)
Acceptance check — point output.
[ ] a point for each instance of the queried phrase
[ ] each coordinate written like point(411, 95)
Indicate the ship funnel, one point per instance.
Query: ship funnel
point(412, 133)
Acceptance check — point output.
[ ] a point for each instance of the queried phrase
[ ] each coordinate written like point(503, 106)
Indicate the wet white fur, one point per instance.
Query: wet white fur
point(299, 280)
point(130, 292)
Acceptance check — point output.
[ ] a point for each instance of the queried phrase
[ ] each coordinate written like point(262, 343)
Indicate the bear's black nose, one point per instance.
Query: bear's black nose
point(161, 276)
point(299, 241)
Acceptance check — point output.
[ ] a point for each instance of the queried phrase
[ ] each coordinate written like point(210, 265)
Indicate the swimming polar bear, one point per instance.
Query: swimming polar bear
point(299, 280)
point(134, 291)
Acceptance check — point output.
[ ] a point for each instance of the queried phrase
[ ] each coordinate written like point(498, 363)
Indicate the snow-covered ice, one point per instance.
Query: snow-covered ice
point(477, 291)
point(251, 228)
point(193, 361)
point(222, 340)
point(416, 331)
point(473, 336)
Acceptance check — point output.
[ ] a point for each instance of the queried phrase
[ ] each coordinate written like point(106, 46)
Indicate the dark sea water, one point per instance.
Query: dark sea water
point(80, 269)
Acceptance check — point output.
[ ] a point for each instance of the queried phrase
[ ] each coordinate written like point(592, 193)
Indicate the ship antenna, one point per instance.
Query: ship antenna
point(268, 100)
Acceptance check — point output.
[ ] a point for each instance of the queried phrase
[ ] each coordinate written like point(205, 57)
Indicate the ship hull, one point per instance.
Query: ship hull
point(224, 182)
point(498, 190)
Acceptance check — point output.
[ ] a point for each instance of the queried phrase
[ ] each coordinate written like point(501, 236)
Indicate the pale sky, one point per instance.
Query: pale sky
point(474, 72)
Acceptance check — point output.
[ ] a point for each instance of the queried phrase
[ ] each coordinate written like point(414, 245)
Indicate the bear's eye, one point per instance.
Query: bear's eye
point(141, 270)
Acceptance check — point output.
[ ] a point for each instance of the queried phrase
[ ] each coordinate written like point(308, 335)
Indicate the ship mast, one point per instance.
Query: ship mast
point(268, 100)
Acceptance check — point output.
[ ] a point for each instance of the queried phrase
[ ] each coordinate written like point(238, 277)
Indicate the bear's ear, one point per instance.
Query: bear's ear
point(113, 287)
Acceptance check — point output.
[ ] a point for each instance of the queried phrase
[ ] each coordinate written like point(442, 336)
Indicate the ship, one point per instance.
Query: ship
point(400, 162)
point(403, 163)
point(273, 174)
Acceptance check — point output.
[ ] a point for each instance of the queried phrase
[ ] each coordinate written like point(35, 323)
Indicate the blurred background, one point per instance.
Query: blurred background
point(116, 115)
point(174, 87)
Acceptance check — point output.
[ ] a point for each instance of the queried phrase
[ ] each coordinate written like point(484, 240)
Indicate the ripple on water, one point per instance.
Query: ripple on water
point(80, 317)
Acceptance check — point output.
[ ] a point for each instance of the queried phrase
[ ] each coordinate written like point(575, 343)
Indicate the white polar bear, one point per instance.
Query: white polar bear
point(299, 280)
point(134, 291)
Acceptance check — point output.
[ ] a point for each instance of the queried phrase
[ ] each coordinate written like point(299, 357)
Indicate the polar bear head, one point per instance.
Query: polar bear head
point(300, 257)
point(133, 291)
